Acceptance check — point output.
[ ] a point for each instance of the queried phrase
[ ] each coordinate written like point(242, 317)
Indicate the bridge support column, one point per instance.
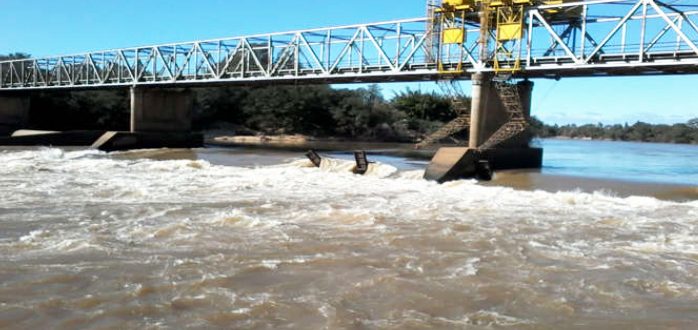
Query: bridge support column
point(160, 110)
point(494, 115)
point(487, 115)
point(480, 93)
point(14, 113)
point(160, 118)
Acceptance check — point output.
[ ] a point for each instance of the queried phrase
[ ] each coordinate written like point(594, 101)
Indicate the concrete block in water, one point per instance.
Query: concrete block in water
point(461, 163)
point(115, 141)
point(452, 164)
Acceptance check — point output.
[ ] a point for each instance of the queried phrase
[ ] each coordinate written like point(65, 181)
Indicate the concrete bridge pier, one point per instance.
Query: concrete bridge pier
point(490, 114)
point(160, 118)
point(487, 115)
point(161, 110)
point(14, 112)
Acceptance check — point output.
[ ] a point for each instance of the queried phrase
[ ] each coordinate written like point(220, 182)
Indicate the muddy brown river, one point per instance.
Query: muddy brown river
point(222, 239)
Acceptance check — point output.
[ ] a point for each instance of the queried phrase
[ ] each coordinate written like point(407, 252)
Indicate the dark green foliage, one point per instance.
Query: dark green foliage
point(316, 110)
point(538, 128)
point(14, 56)
point(364, 113)
point(693, 123)
point(218, 105)
point(425, 112)
point(93, 110)
point(281, 110)
point(643, 132)
point(422, 106)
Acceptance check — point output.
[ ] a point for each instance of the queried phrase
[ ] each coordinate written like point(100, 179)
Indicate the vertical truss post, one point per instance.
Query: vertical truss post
point(643, 30)
point(583, 33)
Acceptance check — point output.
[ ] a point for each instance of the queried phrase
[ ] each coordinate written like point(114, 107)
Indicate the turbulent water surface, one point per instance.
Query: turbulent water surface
point(174, 239)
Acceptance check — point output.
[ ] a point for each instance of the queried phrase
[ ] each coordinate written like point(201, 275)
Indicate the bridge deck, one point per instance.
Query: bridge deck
point(609, 37)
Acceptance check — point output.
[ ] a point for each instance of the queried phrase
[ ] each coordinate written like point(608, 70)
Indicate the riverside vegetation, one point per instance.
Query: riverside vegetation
point(315, 110)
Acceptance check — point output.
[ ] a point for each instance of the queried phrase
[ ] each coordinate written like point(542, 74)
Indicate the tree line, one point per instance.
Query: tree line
point(320, 110)
point(314, 110)
point(686, 133)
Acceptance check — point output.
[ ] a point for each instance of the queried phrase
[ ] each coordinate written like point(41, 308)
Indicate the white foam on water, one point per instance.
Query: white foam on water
point(493, 319)
point(413, 175)
point(469, 268)
point(486, 320)
point(92, 176)
point(238, 218)
point(334, 165)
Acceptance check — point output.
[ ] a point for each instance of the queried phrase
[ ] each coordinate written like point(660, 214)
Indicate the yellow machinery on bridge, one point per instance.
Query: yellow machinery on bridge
point(503, 18)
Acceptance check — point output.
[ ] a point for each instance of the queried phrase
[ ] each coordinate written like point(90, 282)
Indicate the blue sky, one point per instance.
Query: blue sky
point(54, 27)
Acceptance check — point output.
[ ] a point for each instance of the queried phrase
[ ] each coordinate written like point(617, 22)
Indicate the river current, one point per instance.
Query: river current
point(227, 239)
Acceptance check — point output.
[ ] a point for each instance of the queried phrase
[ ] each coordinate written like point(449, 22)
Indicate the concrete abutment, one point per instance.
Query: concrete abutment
point(161, 110)
point(160, 118)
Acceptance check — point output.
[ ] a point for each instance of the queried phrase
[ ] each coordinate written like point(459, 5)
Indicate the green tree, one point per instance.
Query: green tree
point(288, 109)
point(14, 56)
point(219, 104)
point(693, 123)
point(424, 106)
point(88, 110)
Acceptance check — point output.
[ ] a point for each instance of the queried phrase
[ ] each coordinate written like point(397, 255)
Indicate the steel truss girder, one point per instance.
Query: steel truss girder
point(632, 37)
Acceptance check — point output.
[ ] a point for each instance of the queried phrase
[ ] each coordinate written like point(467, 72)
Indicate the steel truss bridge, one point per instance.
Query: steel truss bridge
point(601, 38)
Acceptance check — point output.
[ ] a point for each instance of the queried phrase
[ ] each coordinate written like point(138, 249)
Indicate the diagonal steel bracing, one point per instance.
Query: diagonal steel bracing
point(603, 37)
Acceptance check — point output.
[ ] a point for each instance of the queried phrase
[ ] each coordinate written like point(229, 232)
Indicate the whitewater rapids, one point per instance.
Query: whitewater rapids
point(89, 239)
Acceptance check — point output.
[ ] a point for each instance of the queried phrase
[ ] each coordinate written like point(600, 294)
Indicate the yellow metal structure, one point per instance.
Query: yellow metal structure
point(504, 19)
point(509, 31)
point(449, 21)
point(453, 36)
point(569, 12)
point(509, 34)
point(553, 2)
point(455, 5)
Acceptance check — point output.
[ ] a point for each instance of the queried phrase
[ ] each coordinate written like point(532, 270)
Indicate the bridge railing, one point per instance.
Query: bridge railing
point(386, 48)
point(614, 37)
point(603, 37)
